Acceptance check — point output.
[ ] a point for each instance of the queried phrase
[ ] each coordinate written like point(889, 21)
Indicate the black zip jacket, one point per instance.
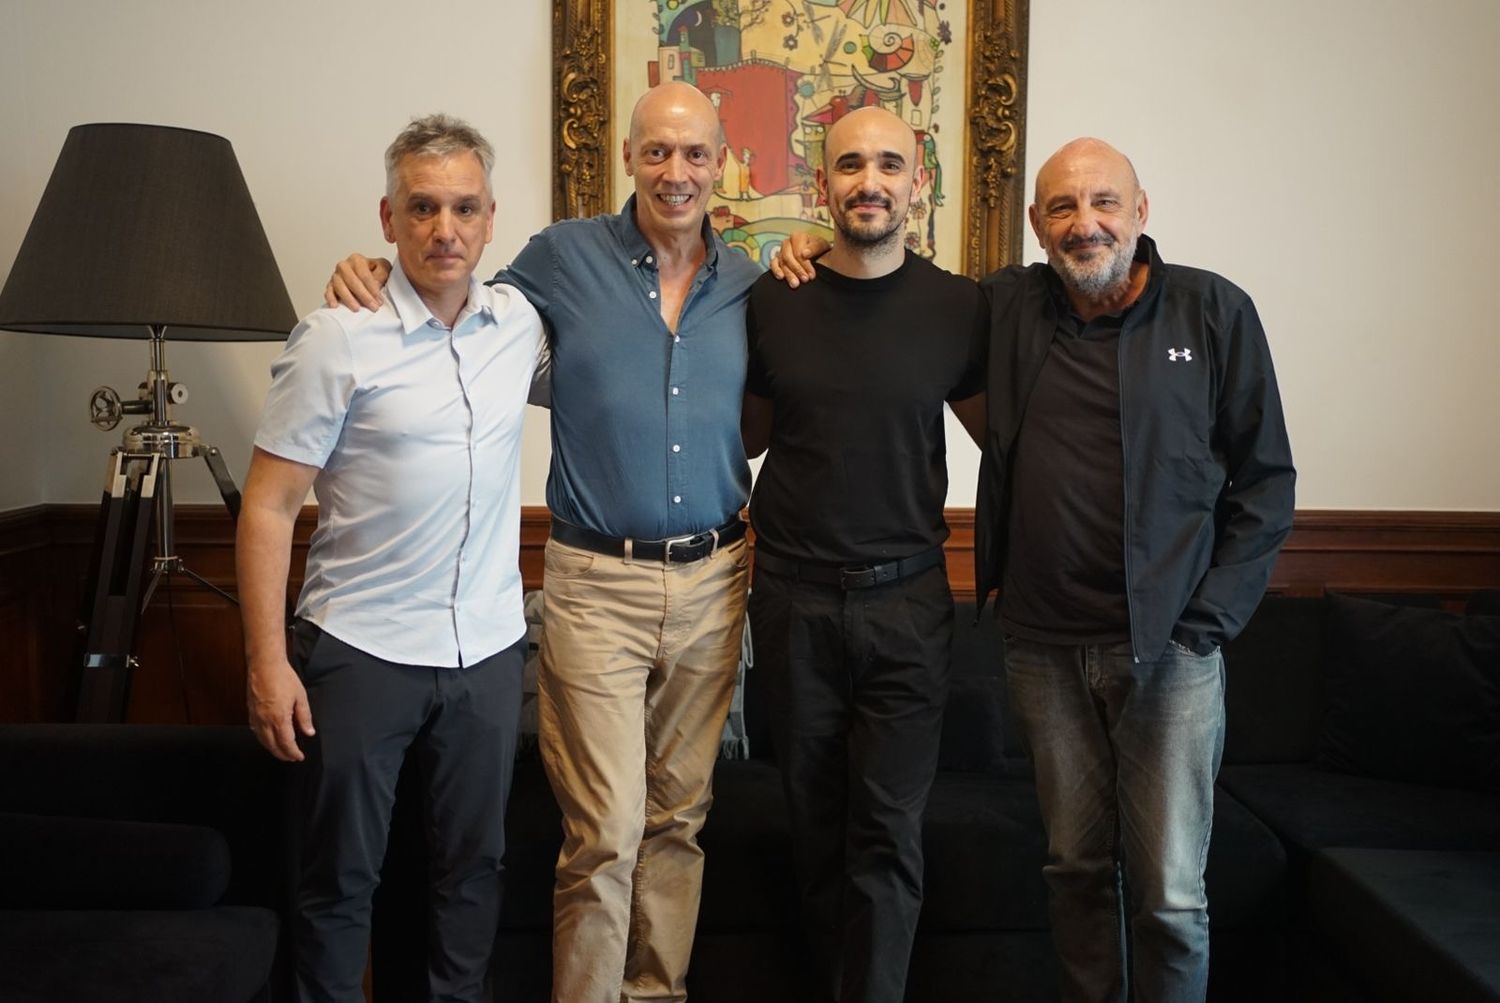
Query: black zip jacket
point(1208, 468)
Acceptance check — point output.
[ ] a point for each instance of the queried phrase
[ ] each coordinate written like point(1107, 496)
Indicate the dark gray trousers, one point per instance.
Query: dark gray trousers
point(460, 724)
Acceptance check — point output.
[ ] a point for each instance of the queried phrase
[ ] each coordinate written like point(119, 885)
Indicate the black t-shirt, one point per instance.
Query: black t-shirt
point(1065, 575)
point(857, 371)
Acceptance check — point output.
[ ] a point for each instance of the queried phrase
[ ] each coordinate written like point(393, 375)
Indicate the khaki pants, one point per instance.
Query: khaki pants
point(638, 666)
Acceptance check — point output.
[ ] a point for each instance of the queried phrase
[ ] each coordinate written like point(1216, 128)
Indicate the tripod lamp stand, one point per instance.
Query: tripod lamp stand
point(143, 231)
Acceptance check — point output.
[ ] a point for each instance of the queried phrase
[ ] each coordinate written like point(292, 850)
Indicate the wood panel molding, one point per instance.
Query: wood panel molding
point(45, 549)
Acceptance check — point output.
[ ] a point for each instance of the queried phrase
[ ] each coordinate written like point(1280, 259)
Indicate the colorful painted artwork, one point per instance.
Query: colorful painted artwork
point(780, 73)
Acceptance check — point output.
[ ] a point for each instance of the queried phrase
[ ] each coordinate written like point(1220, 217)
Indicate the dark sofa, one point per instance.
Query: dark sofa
point(1356, 848)
point(139, 864)
point(1320, 883)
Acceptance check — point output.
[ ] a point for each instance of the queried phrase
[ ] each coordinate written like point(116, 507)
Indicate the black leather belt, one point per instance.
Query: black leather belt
point(678, 550)
point(862, 577)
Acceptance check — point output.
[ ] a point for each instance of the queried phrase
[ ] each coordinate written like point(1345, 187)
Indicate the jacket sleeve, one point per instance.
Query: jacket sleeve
point(1254, 512)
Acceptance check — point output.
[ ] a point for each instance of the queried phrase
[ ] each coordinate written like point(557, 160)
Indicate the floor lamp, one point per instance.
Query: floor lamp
point(143, 231)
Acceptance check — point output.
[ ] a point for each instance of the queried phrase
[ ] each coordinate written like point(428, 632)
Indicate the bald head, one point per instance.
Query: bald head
point(870, 170)
point(1088, 213)
point(1084, 155)
point(864, 125)
point(675, 153)
point(672, 101)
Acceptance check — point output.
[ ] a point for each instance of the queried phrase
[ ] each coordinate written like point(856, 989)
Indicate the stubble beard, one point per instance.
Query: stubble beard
point(868, 238)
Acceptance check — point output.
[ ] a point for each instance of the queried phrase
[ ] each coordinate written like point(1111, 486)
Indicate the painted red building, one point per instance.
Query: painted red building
point(758, 111)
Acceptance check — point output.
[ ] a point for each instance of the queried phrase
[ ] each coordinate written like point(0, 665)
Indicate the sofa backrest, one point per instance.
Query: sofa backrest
point(187, 774)
point(1274, 690)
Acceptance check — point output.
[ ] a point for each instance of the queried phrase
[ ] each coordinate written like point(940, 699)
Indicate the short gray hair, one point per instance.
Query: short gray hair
point(436, 136)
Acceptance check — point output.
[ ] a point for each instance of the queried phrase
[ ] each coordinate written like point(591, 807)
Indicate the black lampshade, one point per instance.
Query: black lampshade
point(142, 225)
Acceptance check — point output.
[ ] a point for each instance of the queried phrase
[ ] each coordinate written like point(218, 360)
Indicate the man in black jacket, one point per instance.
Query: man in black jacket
point(1135, 487)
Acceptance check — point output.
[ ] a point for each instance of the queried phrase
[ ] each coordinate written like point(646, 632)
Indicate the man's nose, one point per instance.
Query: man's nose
point(675, 169)
point(443, 225)
point(1085, 222)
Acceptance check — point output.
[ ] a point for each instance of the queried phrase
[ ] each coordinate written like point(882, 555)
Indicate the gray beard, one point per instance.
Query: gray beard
point(1096, 283)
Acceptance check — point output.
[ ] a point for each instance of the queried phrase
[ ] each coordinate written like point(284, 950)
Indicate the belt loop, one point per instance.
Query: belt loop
point(715, 548)
point(629, 550)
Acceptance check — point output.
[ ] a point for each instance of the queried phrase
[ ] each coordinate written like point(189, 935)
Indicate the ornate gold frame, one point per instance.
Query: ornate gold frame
point(583, 47)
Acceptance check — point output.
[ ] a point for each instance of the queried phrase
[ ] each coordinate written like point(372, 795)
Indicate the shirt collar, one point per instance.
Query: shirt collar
point(633, 242)
point(413, 314)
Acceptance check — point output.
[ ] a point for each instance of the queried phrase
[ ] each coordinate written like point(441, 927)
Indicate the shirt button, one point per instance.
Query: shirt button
point(676, 337)
point(635, 261)
point(648, 259)
point(674, 391)
point(677, 499)
point(652, 294)
point(676, 448)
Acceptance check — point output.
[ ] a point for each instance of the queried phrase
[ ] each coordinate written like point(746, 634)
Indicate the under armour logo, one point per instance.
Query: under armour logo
point(1179, 355)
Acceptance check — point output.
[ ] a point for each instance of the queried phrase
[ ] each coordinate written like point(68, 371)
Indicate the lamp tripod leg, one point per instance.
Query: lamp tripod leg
point(113, 613)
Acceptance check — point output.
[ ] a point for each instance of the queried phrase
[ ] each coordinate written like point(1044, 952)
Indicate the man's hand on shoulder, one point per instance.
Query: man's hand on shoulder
point(357, 282)
point(278, 704)
point(793, 263)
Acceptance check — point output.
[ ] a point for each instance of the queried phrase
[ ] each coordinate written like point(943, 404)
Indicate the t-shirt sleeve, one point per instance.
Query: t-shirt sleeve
point(312, 383)
point(757, 380)
point(972, 380)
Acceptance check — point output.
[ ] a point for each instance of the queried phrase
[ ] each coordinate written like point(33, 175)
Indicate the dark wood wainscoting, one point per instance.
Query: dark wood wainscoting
point(191, 666)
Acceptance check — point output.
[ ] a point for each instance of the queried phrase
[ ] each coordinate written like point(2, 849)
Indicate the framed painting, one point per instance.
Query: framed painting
point(780, 73)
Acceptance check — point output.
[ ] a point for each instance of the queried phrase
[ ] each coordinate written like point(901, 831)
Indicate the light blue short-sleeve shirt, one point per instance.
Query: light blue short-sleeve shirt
point(417, 430)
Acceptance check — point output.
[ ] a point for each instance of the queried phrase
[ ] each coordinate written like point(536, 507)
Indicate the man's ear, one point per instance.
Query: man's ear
point(489, 224)
point(1142, 208)
point(625, 153)
point(820, 176)
point(723, 159)
point(385, 220)
point(1036, 223)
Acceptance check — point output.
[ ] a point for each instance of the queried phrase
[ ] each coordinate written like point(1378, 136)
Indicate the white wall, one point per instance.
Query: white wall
point(310, 94)
point(1333, 158)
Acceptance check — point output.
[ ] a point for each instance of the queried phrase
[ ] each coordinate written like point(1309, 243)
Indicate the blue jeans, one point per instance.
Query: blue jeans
point(1126, 754)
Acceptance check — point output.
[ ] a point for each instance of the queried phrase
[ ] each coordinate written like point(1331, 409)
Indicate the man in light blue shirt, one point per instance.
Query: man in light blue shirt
point(645, 571)
point(409, 637)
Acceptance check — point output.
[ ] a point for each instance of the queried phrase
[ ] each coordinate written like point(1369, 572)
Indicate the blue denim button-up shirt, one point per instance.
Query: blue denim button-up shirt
point(645, 424)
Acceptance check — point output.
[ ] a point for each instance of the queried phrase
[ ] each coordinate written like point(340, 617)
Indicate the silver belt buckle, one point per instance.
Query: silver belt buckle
point(685, 540)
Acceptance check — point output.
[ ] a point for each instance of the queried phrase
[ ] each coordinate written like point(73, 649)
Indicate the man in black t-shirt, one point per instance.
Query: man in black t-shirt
point(850, 608)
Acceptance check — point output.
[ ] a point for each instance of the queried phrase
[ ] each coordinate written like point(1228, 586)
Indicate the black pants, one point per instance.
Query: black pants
point(460, 724)
point(855, 684)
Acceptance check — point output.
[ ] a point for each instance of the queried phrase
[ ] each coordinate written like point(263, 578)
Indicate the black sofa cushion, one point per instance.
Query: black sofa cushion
point(1311, 808)
point(214, 776)
point(1413, 695)
point(1274, 691)
point(1413, 924)
point(59, 862)
point(222, 954)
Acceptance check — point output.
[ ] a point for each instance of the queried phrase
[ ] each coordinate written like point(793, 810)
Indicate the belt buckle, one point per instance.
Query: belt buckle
point(695, 540)
point(857, 578)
